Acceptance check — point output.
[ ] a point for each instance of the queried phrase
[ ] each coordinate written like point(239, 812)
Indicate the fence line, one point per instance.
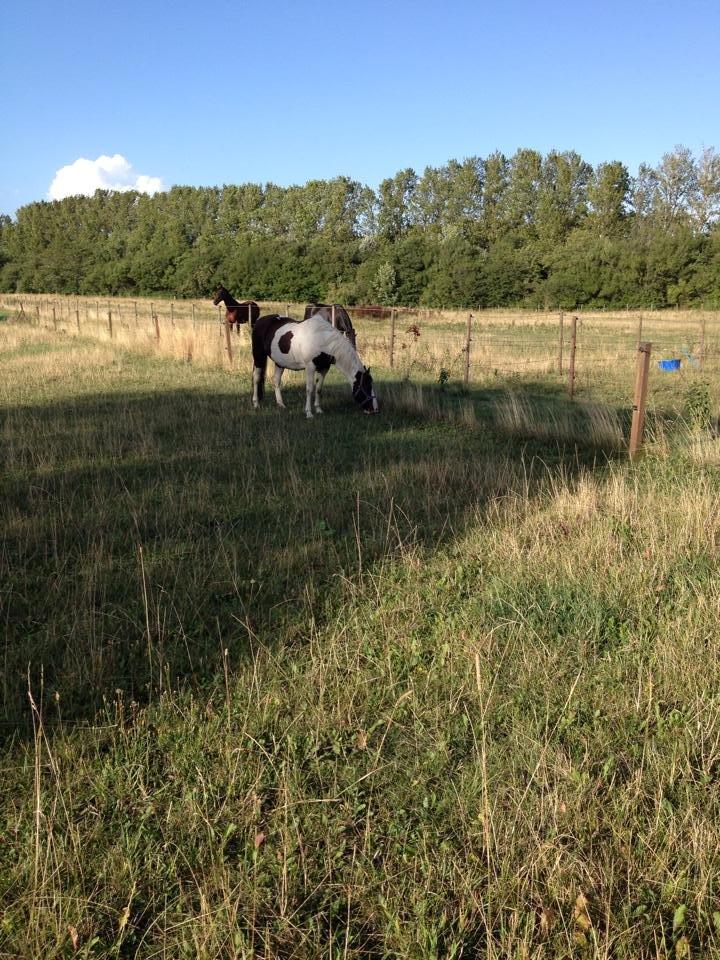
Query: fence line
point(703, 341)
point(588, 348)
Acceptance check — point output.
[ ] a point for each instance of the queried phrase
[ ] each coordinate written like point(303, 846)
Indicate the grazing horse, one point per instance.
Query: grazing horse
point(312, 345)
point(334, 314)
point(236, 312)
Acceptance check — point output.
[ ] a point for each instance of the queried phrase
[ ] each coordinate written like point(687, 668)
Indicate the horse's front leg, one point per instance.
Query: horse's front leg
point(277, 377)
point(309, 389)
point(319, 381)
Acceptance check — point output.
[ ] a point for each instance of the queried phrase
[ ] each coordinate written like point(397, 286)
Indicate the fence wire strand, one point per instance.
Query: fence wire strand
point(407, 341)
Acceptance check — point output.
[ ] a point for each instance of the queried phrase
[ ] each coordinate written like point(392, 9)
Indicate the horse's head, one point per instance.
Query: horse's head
point(220, 292)
point(363, 392)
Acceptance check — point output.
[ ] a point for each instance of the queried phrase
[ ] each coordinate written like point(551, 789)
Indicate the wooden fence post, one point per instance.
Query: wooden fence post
point(468, 339)
point(560, 343)
point(156, 322)
point(193, 314)
point(110, 328)
point(573, 347)
point(37, 309)
point(172, 313)
point(77, 315)
point(54, 318)
point(392, 338)
point(136, 318)
point(228, 341)
point(641, 382)
point(703, 321)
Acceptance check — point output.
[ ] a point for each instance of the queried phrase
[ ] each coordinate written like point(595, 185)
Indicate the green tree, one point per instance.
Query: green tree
point(609, 195)
point(385, 284)
point(562, 197)
point(394, 203)
point(497, 178)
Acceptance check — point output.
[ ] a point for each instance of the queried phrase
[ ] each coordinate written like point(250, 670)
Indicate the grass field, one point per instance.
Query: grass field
point(438, 683)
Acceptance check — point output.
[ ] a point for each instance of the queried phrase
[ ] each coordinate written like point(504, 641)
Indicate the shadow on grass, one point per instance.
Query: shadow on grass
point(151, 540)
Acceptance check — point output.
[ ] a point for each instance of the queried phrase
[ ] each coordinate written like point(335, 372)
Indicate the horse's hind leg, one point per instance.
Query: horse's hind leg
point(258, 385)
point(259, 368)
point(277, 377)
point(309, 390)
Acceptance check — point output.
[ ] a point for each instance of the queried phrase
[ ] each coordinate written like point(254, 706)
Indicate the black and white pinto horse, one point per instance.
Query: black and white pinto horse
point(312, 345)
point(235, 311)
point(335, 314)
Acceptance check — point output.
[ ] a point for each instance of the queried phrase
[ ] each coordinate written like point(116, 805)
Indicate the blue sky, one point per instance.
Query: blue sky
point(230, 92)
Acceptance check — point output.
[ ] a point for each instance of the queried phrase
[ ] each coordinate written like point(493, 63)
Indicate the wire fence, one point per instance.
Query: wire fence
point(589, 354)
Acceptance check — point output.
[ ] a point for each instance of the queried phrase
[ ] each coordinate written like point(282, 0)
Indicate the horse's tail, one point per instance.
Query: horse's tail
point(259, 363)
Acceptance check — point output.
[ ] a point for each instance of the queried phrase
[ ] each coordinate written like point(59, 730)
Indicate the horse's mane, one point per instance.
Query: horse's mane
point(325, 310)
point(342, 348)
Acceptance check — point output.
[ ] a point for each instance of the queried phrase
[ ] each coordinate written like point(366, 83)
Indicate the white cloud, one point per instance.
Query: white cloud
point(105, 173)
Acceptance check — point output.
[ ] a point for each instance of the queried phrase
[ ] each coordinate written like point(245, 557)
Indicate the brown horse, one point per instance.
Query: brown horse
point(235, 311)
point(334, 314)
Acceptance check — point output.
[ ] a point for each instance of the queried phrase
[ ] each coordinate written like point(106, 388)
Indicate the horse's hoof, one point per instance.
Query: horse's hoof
point(309, 416)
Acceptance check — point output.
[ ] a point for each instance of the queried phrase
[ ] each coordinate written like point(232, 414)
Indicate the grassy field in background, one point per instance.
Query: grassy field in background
point(438, 683)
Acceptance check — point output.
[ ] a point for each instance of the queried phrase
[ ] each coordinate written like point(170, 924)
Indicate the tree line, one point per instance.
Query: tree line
point(527, 230)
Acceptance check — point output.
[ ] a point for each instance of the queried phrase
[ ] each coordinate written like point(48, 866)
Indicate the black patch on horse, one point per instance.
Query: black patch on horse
point(323, 362)
point(284, 341)
point(263, 332)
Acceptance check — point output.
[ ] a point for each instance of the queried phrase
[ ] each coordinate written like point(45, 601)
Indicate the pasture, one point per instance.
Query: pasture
point(437, 683)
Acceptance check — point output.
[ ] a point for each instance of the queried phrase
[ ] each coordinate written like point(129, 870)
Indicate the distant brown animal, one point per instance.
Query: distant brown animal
point(335, 314)
point(236, 312)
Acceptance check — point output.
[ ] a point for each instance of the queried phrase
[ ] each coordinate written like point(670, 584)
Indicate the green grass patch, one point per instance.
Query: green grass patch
point(421, 685)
